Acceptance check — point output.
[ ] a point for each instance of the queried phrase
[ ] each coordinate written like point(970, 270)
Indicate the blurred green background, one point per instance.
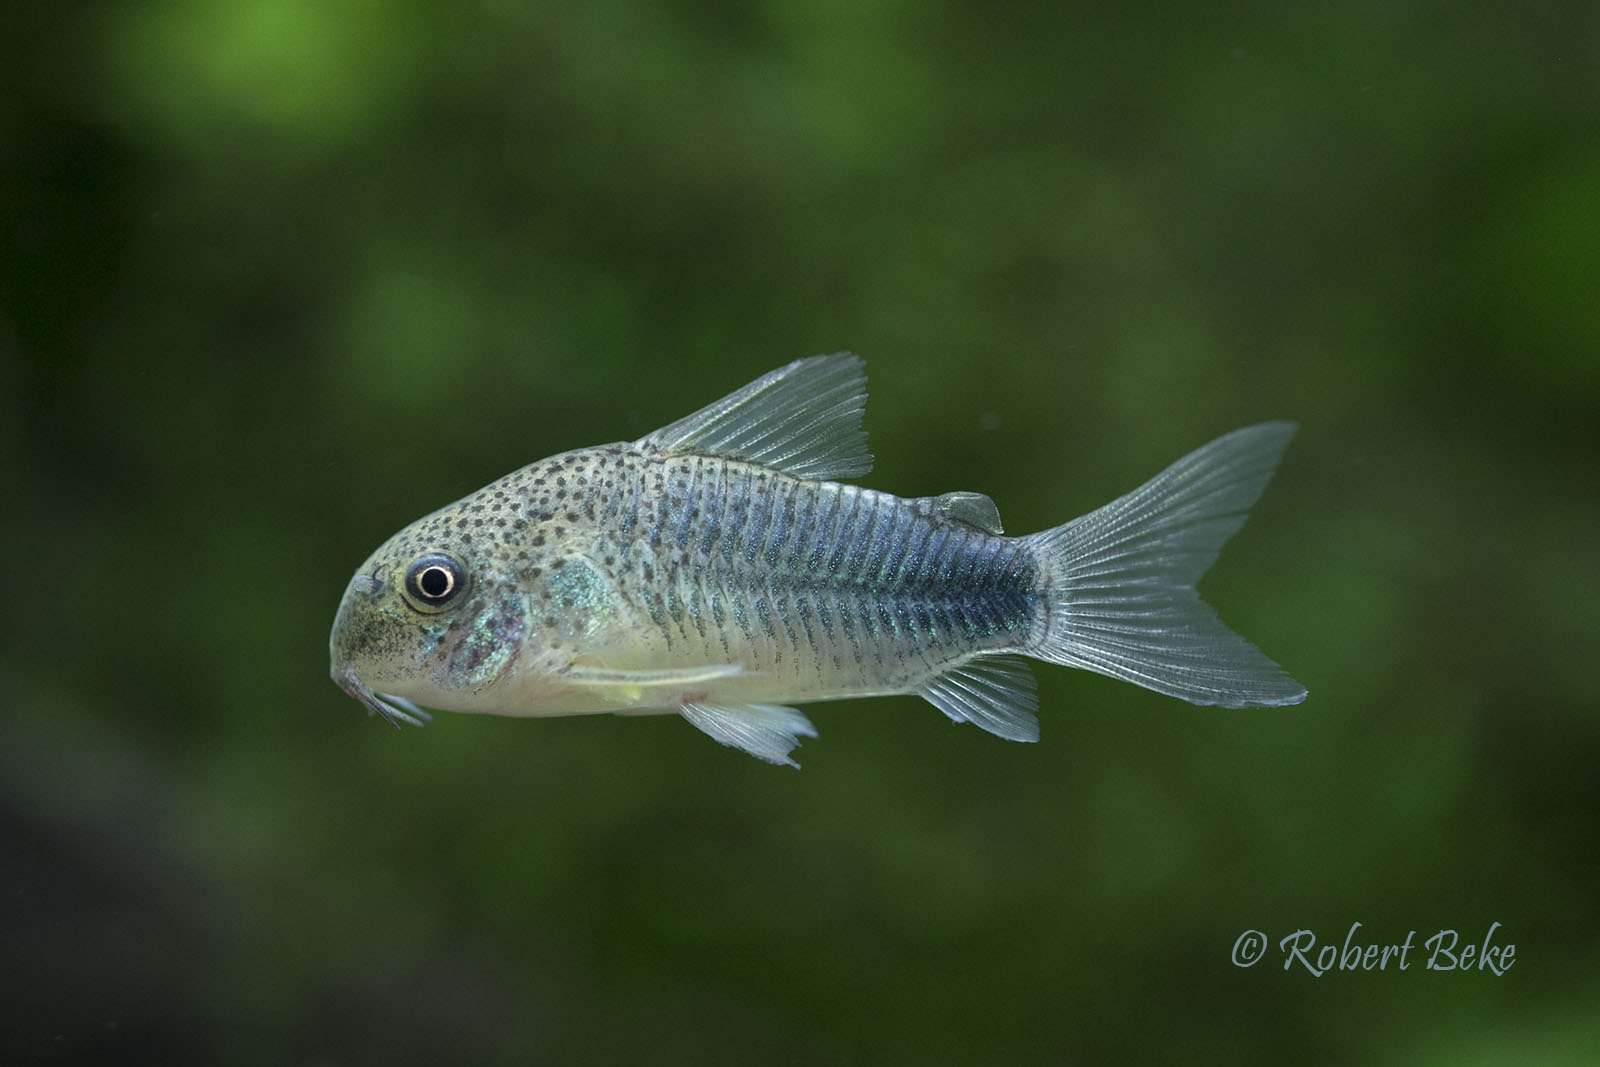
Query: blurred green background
point(279, 276)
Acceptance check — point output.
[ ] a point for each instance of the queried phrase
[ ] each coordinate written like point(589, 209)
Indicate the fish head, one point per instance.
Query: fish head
point(424, 621)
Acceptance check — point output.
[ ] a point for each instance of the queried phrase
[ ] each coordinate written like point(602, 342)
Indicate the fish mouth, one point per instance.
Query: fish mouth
point(397, 710)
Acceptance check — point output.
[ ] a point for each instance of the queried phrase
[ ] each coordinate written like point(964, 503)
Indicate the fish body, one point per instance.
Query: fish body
point(720, 568)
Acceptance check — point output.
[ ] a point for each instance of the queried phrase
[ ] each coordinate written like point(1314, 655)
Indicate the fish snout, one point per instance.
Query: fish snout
point(368, 585)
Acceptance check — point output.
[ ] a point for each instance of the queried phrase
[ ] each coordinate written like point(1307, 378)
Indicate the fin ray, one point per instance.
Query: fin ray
point(766, 731)
point(994, 693)
point(803, 419)
point(1120, 580)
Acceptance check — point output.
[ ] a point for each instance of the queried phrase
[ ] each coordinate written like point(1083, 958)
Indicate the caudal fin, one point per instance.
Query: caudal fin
point(1121, 580)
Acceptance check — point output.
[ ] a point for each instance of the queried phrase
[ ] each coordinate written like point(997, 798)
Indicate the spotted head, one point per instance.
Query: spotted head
point(428, 620)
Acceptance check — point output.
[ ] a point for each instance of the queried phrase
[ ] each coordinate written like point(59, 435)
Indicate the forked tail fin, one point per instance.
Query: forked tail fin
point(1120, 580)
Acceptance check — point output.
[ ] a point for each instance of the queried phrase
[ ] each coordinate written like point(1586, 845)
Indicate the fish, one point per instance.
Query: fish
point(725, 568)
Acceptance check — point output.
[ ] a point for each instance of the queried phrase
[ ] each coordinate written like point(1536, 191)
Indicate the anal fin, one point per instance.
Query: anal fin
point(766, 731)
point(995, 693)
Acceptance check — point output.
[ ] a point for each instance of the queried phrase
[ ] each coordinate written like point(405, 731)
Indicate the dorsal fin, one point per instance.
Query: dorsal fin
point(974, 509)
point(803, 419)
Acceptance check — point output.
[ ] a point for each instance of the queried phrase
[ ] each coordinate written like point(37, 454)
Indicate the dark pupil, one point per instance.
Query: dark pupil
point(435, 582)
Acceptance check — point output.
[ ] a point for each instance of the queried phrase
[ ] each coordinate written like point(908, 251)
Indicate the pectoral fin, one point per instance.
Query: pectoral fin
point(672, 678)
point(766, 731)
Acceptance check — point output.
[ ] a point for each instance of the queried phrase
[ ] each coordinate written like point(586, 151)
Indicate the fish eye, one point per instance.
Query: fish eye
point(433, 581)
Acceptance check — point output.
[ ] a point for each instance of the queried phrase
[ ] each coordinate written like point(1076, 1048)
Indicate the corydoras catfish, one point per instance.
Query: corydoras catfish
point(721, 568)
